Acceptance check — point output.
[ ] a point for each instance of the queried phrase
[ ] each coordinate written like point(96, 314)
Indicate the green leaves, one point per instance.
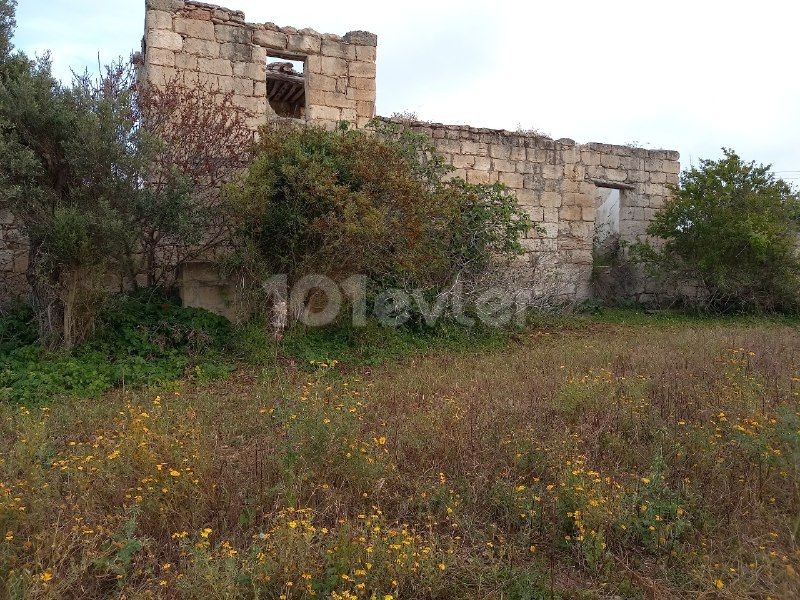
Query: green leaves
point(373, 202)
point(732, 228)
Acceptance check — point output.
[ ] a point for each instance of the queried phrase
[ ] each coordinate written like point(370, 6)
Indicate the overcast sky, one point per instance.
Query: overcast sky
point(686, 75)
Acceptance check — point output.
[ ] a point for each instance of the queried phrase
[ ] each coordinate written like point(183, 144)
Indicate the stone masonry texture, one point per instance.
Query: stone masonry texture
point(218, 48)
point(556, 181)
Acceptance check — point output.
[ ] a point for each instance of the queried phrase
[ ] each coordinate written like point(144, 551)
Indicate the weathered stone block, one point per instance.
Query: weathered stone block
point(551, 199)
point(202, 14)
point(168, 40)
point(186, 61)
point(243, 86)
point(162, 57)
point(549, 223)
point(550, 214)
point(553, 171)
point(324, 113)
point(361, 95)
point(322, 83)
point(570, 213)
point(483, 163)
point(231, 33)
point(366, 53)
point(365, 108)
point(571, 155)
point(518, 153)
point(536, 213)
point(349, 114)
point(254, 71)
point(224, 84)
point(362, 69)
point(638, 176)
point(590, 158)
point(334, 67)
point(161, 75)
point(527, 197)
point(237, 52)
point(654, 164)
point(165, 5)
point(478, 177)
point(512, 180)
point(507, 166)
point(314, 64)
point(157, 19)
point(361, 38)
point(258, 54)
point(610, 161)
point(338, 49)
point(215, 66)
point(195, 28)
point(206, 48)
point(338, 100)
point(500, 151)
point(304, 43)
point(632, 163)
point(365, 83)
point(616, 175)
point(275, 40)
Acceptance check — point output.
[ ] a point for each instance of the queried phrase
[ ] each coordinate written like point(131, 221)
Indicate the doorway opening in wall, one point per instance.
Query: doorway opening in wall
point(286, 86)
point(606, 222)
point(608, 271)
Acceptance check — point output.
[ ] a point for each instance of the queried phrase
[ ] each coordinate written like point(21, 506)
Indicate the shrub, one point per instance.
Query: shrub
point(376, 203)
point(140, 339)
point(732, 228)
point(108, 178)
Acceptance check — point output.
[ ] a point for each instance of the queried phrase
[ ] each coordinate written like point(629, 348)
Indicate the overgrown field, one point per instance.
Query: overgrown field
point(601, 461)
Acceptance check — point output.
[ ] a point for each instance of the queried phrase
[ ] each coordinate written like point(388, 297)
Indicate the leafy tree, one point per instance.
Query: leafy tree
point(7, 24)
point(732, 228)
point(103, 183)
point(196, 139)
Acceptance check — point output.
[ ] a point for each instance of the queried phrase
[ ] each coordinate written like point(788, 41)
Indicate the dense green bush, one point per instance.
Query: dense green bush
point(376, 202)
point(732, 228)
point(140, 339)
point(107, 178)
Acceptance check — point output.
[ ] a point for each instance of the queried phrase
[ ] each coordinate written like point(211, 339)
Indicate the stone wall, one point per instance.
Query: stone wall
point(560, 183)
point(13, 257)
point(557, 182)
point(217, 47)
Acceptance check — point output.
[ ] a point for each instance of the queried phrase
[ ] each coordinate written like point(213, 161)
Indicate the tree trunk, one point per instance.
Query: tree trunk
point(47, 309)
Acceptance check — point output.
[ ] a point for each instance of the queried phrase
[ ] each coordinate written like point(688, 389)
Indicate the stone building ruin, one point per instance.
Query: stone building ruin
point(576, 192)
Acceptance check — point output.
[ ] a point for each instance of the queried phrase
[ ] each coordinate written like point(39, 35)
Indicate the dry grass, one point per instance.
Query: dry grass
point(648, 462)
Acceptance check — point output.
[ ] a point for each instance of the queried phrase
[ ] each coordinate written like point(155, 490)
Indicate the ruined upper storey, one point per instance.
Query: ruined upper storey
point(330, 78)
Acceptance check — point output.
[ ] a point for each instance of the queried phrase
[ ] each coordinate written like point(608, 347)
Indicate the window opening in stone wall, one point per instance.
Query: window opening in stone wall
point(286, 86)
